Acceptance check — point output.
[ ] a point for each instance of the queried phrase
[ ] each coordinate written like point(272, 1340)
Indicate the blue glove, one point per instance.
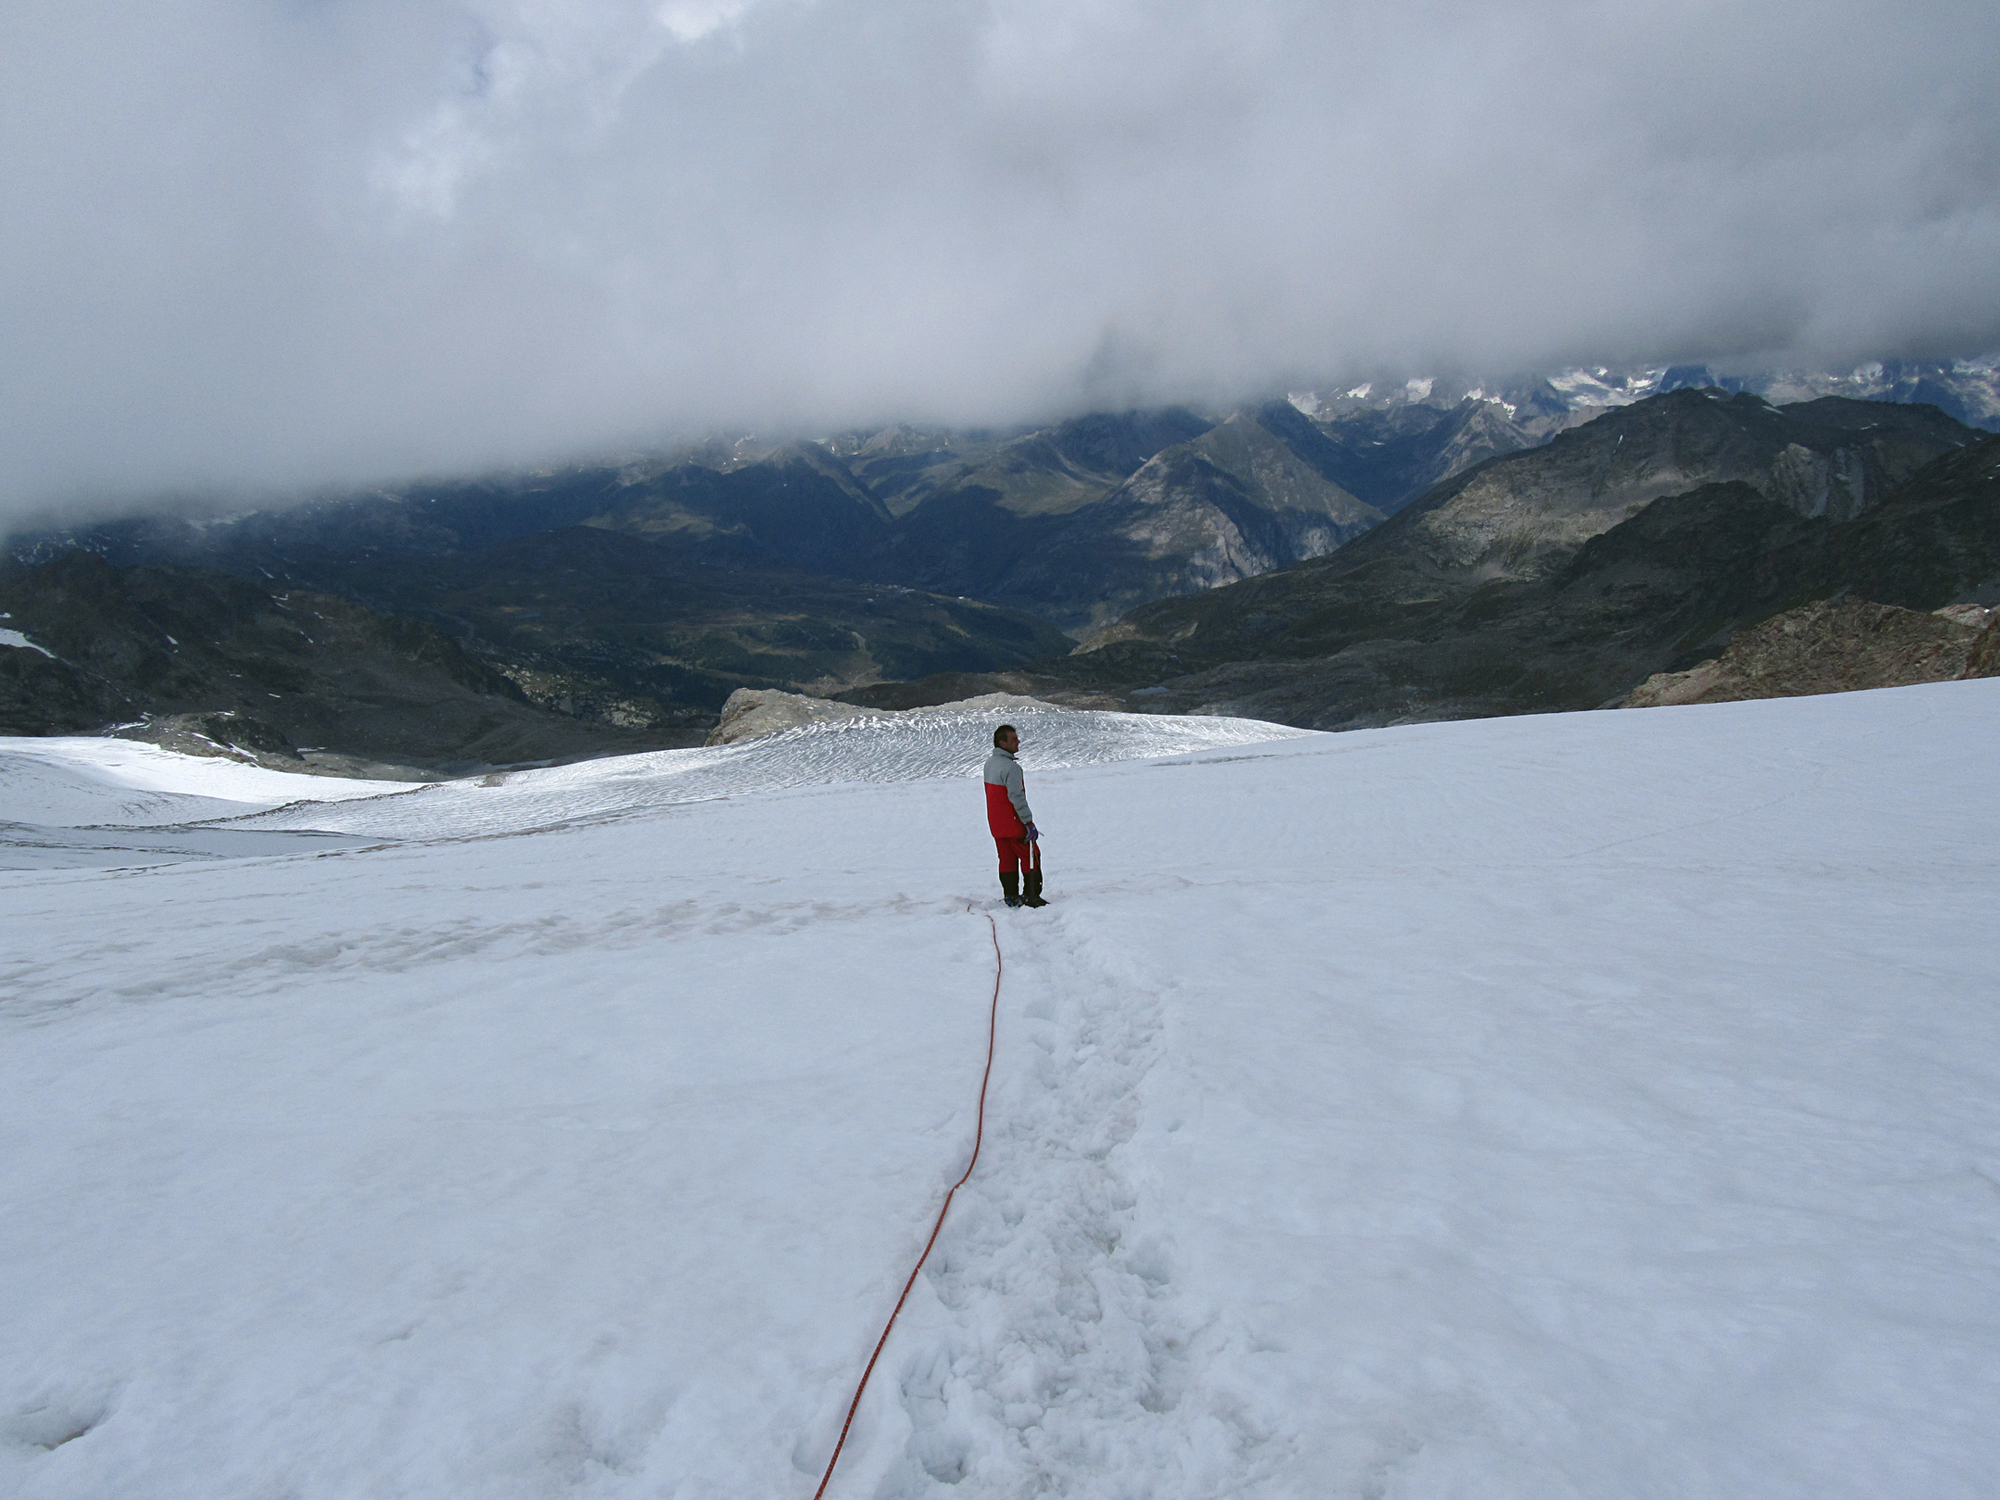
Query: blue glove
point(1034, 834)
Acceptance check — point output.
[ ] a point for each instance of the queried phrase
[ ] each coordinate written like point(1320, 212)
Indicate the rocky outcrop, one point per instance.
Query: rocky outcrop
point(1983, 660)
point(752, 713)
point(1831, 646)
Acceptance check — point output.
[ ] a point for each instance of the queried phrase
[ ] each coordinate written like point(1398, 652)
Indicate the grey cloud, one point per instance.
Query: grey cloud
point(263, 245)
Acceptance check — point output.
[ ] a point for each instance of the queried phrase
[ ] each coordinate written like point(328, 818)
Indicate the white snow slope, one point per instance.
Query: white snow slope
point(1601, 1105)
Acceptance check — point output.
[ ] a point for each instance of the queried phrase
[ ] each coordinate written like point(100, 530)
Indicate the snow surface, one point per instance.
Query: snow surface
point(20, 642)
point(1594, 1105)
point(84, 802)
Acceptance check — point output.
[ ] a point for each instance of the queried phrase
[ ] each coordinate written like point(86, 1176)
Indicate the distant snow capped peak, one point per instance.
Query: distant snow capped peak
point(1480, 393)
point(1603, 387)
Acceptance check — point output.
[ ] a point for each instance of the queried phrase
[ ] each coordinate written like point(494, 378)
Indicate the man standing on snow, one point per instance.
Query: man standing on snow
point(1012, 824)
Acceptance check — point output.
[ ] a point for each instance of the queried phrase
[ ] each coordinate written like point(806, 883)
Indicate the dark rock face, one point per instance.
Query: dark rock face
point(215, 658)
point(1831, 646)
point(1933, 542)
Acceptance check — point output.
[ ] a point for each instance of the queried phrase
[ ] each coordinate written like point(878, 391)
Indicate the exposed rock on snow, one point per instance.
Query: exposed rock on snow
point(1828, 647)
point(1984, 658)
point(753, 712)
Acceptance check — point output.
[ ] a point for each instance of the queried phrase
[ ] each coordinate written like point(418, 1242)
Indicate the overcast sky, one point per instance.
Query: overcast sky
point(252, 243)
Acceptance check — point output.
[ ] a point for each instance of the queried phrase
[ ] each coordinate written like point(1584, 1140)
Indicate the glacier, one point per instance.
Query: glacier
point(1593, 1105)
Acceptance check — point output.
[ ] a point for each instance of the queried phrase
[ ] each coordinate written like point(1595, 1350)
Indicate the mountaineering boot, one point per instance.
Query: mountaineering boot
point(1010, 884)
point(1032, 896)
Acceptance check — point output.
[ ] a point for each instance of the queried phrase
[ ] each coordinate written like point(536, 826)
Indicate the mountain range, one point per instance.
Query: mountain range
point(1560, 577)
point(1329, 559)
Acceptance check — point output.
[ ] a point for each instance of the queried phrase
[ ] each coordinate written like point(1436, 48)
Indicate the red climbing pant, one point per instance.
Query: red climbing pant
point(1019, 855)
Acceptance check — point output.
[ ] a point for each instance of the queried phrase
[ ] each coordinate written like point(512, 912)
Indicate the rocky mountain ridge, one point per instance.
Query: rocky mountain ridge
point(1563, 576)
point(1525, 516)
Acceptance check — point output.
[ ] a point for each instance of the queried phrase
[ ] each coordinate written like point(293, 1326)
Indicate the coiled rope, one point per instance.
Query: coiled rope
point(978, 1136)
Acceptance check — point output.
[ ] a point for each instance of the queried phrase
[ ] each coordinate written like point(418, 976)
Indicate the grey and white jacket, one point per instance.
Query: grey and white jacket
point(1007, 812)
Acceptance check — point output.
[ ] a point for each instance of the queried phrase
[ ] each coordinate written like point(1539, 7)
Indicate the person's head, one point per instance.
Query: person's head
point(1005, 738)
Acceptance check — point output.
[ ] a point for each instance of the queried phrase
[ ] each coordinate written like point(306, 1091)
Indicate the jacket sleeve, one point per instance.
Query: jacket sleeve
point(1017, 792)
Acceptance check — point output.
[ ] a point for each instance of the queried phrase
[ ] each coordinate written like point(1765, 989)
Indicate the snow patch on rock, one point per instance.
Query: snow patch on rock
point(20, 642)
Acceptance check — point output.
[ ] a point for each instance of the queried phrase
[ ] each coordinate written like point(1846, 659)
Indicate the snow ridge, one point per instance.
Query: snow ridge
point(204, 809)
point(920, 746)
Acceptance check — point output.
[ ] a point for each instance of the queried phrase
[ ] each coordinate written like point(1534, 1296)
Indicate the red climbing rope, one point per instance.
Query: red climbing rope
point(978, 1136)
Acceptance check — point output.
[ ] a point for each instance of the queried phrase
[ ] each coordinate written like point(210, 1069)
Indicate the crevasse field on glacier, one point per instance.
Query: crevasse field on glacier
point(1599, 1105)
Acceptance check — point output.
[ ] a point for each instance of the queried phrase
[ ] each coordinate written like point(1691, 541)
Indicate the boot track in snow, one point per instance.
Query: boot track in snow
point(1063, 1345)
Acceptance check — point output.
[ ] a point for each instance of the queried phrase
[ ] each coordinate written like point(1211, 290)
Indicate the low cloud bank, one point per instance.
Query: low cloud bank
point(260, 246)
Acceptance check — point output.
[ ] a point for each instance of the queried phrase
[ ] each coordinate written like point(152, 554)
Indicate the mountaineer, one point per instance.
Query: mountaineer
point(1012, 823)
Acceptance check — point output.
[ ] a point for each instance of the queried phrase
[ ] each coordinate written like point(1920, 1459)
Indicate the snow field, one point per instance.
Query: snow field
point(88, 803)
point(1596, 1105)
point(88, 781)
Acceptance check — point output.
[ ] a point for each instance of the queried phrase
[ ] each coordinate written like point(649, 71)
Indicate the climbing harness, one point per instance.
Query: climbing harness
point(978, 1136)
